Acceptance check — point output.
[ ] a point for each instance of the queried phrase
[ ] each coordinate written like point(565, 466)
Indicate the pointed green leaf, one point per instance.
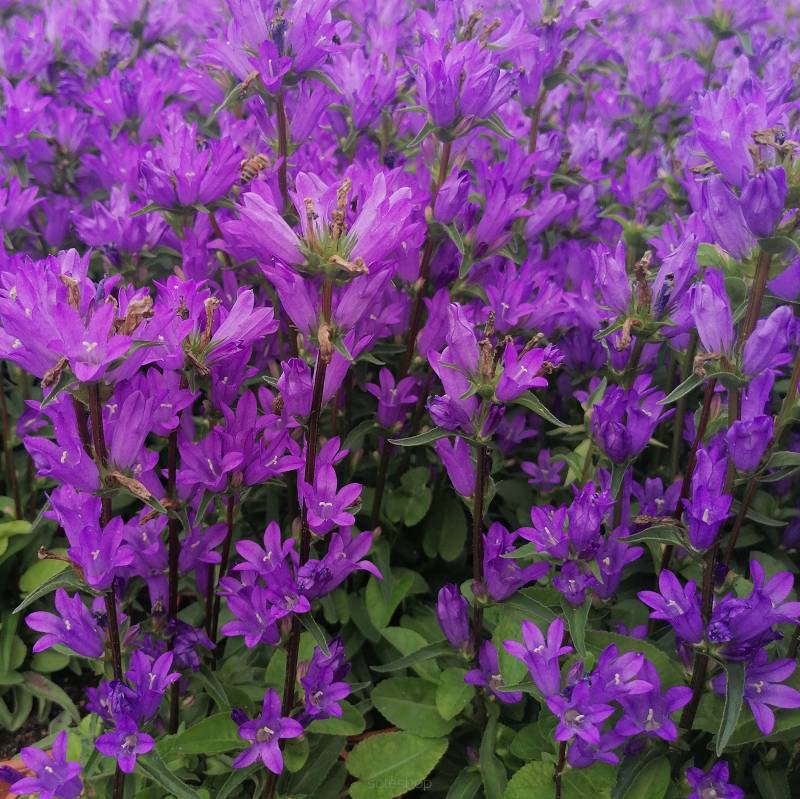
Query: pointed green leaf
point(428, 437)
point(45, 689)
point(533, 403)
point(734, 696)
point(153, 767)
point(690, 384)
point(64, 578)
point(426, 653)
point(650, 782)
point(576, 619)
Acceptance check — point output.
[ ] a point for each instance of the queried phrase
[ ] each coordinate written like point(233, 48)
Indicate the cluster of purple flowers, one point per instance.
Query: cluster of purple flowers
point(255, 257)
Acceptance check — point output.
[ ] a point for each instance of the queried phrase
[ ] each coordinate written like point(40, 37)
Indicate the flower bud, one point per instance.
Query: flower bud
point(452, 610)
point(451, 197)
point(762, 201)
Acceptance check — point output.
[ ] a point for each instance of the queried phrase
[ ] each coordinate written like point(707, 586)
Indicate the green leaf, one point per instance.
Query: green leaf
point(452, 693)
point(410, 703)
point(532, 781)
point(760, 518)
point(407, 641)
point(576, 622)
point(495, 124)
point(153, 767)
point(148, 209)
point(778, 244)
point(530, 608)
point(533, 403)
point(379, 610)
point(323, 756)
point(783, 458)
point(493, 772)
point(351, 723)
point(356, 435)
point(617, 475)
point(466, 785)
point(49, 661)
point(663, 533)
point(43, 577)
point(319, 75)
point(428, 652)
point(734, 696)
point(650, 782)
point(16, 527)
point(691, 383)
point(392, 764)
point(446, 529)
point(772, 783)
point(214, 688)
point(419, 440)
point(43, 688)
point(212, 735)
point(295, 754)
point(594, 782)
point(237, 777)
point(230, 98)
point(455, 236)
point(712, 255)
point(317, 633)
point(420, 137)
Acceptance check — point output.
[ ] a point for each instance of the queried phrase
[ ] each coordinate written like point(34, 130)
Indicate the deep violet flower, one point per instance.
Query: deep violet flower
point(264, 734)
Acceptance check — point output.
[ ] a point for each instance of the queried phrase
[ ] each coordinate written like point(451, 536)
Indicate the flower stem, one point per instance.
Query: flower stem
point(477, 540)
point(559, 769)
point(756, 297)
point(414, 326)
point(283, 147)
point(293, 647)
point(101, 458)
point(680, 408)
point(536, 118)
point(702, 425)
point(700, 666)
point(174, 551)
point(230, 510)
point(632, 367)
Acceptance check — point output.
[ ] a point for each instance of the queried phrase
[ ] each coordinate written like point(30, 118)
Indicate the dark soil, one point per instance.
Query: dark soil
point(27, 735)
